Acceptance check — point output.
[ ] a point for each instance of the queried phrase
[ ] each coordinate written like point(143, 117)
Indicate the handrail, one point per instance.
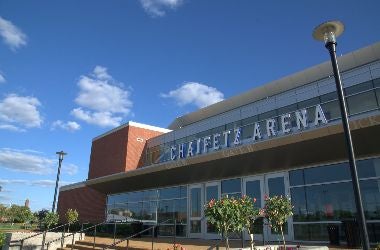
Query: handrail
point(138, 233)
point(34, 235)
point(73, 234)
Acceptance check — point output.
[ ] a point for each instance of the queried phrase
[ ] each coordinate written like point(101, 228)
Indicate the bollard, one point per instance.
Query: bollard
point(152, 236)
point(43, 241)
point(114, 232)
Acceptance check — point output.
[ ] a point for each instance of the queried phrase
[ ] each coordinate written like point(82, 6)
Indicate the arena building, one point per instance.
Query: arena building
point(283, 138)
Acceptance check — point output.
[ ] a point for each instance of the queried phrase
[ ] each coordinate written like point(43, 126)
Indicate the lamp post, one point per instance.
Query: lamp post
point(60, 155)
point(328, 32)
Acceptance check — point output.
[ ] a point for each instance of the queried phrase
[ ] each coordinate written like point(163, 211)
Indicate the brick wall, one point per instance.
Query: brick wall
point(119, 151)
point(89, 203)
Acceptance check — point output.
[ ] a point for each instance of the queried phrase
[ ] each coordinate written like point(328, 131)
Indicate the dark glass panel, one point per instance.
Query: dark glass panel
point(267, 115)
point(301, 232)
point(253, 190)
point(232, 125)
point(180, 210)
point(330, 109)
point(361, 102)
point(276, 186)
point(211, 193)
point(378, 95)
point(249, 120)
point(296, 177)
point(376, 82)
point(299, 203)
point(195, 202)
point(330, 202)
point(329, 96)
point(370, 190)
point(165, 211)
point(358, 88)
point(308, 103)
point(149, 210)
point(195, 226)
point(373, 232)
point(287, 109)
point(135, 210)
point(117, 198)
point(247, 131)
point(336, 172)
point(369, 168)
point(316, 232)
point(231, 186)
point(166, 230)
point(172, 193)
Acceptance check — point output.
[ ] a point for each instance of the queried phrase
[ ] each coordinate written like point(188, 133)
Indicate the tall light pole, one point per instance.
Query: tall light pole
point(328, 32)
point(60, 155)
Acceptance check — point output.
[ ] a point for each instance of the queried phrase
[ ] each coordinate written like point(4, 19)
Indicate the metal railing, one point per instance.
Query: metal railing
point(152, 228)
point(35, 235)
point(62, 239)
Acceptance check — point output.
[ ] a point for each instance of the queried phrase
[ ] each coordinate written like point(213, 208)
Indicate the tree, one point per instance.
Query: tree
point(3, 213)
point(71, 217)
point(277, 210)
point(51, 219)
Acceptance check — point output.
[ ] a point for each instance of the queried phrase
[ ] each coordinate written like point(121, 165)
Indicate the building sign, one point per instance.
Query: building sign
point(288, 123)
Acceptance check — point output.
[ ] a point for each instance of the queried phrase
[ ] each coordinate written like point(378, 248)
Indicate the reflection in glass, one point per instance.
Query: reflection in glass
point(336, 172)
point(231, 186)
point(371, 198)
point(361, 102)
point(369, 168)
point(253, 190)
point(195, 202)
point(195, 226)
point(276, 186)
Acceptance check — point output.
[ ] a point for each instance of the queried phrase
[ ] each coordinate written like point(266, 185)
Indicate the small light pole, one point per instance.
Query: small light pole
point(328, 32)
point(60, 155)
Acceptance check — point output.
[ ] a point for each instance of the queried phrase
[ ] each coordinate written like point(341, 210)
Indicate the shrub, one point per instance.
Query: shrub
point(277, 210)
point(51, 219)
point(2, 239)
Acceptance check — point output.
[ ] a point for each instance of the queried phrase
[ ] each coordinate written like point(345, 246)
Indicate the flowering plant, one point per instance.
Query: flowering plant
point(277, 210)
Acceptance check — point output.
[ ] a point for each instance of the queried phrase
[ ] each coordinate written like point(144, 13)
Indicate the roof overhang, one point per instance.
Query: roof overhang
point(311, 147)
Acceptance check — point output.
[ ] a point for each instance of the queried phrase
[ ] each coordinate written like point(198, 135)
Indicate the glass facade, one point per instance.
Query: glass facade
point(323, 196)
point(161, 205)
point(362, 97)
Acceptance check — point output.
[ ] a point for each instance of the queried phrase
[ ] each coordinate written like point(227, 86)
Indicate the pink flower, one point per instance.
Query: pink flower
point(254, 199)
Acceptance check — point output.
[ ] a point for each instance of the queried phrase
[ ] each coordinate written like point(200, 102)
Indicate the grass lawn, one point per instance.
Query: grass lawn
point(7, 227)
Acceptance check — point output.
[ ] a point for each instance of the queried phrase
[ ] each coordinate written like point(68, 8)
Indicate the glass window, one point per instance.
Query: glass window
point(211, 193)
point(296, 177)
point(315, 232)
point(378, 95)
point(231, 186)
point(180, 210)
point(330, 202)
point(249, 120)
point(329, 97)
point(370, 190)
point(287, 109)
point(247, 131)
point(299, 203)
point(173, 192)
point(369, 168)
point(232, 125)
point(276, 186)
point(358, 88)
point(330, 109)
point(266, 115)
point(362, 102)
point(308, 103)
point(117, 198)
point(165, 211)
point(329, 173)
point(196, 206)
point(376, 82)
point(253, 190)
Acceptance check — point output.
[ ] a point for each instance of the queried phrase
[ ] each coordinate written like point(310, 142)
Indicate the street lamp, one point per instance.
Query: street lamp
point(60, 155)
point(328, 32)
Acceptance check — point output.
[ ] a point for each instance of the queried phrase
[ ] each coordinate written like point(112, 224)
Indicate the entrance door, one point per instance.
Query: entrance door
point(278, 184)
point(212, 191)
point(196, 211)
point(254, 188)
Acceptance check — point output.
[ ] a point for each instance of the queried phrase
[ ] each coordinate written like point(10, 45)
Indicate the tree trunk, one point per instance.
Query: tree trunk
point(283, 238)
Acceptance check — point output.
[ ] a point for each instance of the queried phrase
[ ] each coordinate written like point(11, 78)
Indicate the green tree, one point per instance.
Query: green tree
point(51, 219)
point(3, 213)
point(2, 239)
point(224, 215)
point(277, 210)
point(71, 217)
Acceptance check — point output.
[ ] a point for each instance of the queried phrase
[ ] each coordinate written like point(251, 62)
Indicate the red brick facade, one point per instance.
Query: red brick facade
point(120, 150)
point(90, 204)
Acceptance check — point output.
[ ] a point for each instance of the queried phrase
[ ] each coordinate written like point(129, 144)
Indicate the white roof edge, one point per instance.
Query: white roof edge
point(346, 62)
point(133, 124)
point(72, 186)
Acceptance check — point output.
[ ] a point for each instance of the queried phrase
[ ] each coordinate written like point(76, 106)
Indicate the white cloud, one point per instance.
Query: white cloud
point(195, 93)
point(31, 162)
point(69, 126)
point(39, 183)
point(103, 100)
point(11, 128)
point(156, 8)
point(12, 35)
point(22, 110)
point(2, 78)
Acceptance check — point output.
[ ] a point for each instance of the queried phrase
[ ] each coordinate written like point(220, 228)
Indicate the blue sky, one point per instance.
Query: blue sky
point(71, 70)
